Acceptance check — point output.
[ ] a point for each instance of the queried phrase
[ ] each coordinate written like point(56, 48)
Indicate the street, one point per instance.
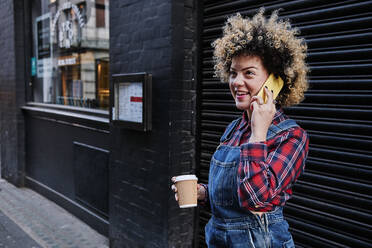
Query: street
point(28, 220)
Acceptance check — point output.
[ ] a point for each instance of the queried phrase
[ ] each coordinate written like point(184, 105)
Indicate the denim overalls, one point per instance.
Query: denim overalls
point(231, 225)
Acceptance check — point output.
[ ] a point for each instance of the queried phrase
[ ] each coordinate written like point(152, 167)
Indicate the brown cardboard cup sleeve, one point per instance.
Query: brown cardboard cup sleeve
point(187, 190)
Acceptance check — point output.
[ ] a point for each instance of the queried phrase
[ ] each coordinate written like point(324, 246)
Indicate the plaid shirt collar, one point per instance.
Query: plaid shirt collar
point(245, 122)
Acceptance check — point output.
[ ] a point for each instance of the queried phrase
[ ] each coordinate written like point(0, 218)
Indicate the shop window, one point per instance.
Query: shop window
point(100, 13)
point(71, 53)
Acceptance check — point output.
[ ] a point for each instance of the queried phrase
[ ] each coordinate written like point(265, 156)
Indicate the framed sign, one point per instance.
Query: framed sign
point(131, 101)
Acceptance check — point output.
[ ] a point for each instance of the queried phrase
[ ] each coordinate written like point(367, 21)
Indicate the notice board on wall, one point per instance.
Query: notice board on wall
point(131, 101)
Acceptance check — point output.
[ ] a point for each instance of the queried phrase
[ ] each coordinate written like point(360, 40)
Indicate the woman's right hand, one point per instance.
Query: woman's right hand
point(261, 116)
point(200, 189)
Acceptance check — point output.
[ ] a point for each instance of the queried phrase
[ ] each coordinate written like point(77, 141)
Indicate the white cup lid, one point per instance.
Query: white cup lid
point(186, 177)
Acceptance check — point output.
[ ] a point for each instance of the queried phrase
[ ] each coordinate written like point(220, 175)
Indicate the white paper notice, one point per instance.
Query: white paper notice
point(130, 102)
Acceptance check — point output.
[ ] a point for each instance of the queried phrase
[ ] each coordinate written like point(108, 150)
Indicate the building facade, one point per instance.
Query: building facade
point(57, 136)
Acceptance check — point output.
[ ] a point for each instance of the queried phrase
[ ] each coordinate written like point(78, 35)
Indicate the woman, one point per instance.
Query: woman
point(261, 154)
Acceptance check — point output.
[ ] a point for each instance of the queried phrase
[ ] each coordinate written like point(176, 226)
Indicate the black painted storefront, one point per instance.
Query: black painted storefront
point(68, 160)
point(117, 180)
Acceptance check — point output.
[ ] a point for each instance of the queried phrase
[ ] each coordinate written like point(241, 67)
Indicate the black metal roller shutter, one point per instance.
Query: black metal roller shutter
point(332, 202)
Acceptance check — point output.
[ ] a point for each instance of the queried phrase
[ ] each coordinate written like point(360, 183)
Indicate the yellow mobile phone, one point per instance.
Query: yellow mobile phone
point(272, 83)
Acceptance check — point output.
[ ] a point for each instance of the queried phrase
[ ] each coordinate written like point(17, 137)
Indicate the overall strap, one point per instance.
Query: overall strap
point(273, 129)
point(229, 130)
point(282, 126)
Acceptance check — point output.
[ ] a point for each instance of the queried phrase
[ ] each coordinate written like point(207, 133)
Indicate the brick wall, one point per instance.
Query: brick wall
point(12, 90)
point(156, 37)
point(182, 116)
point(140, 41)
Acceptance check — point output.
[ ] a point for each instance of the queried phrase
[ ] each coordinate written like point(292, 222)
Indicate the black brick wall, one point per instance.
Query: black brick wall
point(12, 89)
point(182, 116)
point(156, 37)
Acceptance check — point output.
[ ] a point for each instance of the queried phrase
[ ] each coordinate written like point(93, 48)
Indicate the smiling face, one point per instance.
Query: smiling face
point(246, 77)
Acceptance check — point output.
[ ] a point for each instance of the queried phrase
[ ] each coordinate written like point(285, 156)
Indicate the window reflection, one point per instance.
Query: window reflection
point(72, 52)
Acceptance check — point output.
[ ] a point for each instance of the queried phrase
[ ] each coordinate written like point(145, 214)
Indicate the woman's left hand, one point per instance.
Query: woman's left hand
point(261, 116)
point(201, 191)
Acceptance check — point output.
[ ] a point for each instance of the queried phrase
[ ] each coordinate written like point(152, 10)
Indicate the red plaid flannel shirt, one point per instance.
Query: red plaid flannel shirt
point(267, 170)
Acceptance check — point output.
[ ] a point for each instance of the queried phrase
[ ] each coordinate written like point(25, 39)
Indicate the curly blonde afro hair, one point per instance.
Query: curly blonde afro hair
point(275, 42)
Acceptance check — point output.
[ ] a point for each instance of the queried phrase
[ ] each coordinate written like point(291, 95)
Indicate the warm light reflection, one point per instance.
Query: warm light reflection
point(72, 53)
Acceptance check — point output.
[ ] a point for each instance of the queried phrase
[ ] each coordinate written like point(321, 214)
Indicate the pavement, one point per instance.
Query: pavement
point(28, 220)
point(11, 235)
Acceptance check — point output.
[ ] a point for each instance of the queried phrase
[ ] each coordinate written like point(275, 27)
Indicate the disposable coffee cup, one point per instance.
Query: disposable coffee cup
point(187, 191)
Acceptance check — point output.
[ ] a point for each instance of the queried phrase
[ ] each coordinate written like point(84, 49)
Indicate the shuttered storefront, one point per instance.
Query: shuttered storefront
point(332, 202)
